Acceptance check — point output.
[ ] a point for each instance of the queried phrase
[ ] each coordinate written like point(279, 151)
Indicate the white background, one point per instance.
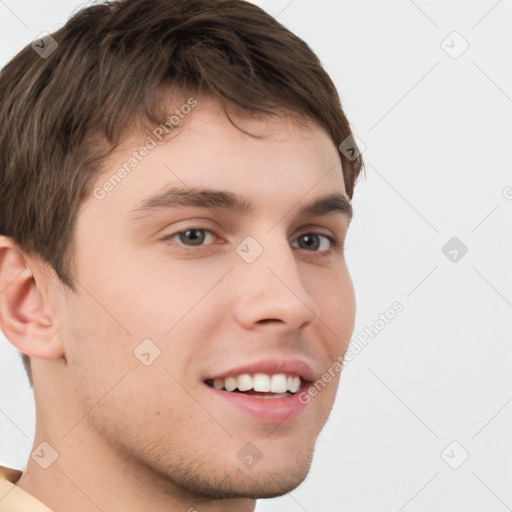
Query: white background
point(437, 131)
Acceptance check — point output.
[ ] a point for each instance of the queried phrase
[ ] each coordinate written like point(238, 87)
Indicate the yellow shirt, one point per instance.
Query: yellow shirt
point(15, 499)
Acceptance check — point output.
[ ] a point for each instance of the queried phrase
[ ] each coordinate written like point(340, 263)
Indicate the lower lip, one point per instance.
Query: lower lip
point(265, 410)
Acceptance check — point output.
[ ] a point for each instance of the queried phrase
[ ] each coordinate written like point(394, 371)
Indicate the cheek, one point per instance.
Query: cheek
point(153, 299)
point(335, 298)
point(152, 415)
point(110, 335)
point(98, 350)
point(336, 306)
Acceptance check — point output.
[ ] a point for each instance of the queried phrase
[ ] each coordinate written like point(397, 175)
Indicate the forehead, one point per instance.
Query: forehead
point(266, 158)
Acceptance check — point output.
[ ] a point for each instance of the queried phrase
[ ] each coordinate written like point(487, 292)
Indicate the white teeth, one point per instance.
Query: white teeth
point(278, 384)
point(295, 384)
point(261, 382)
point(230, 383)
point(244, 382)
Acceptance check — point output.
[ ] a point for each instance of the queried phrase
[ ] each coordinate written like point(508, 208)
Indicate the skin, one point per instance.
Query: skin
point(129, 436)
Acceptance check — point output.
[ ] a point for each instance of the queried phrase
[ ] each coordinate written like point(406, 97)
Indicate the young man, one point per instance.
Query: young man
point(173, 211)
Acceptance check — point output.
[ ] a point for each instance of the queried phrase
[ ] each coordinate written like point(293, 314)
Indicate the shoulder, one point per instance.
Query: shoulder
point(15, 499)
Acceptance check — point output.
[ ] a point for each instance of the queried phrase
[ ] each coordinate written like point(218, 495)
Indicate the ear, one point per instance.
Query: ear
point(24, 318)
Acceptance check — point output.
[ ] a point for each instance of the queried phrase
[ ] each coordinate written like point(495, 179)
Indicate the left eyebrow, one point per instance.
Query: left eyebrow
point(176, 197)
point(325, 205)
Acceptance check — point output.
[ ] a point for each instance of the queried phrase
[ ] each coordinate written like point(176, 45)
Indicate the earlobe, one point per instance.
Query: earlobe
point(23, 318)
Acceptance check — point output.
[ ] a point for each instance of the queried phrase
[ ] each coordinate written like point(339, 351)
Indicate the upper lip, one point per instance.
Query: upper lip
point(271, 367)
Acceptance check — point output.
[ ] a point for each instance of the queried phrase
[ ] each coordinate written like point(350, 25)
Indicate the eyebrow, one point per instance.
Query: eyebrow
point(175, 197)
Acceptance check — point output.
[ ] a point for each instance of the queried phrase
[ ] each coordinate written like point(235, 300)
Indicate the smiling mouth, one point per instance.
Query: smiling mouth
point(261, 385)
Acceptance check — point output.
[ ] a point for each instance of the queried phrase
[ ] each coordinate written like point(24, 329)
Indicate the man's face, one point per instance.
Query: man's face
point(236, 293)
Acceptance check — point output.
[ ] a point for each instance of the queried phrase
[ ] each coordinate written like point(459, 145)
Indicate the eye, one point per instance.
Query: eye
point(313, 242)
point(191, 237)
point(197, 237)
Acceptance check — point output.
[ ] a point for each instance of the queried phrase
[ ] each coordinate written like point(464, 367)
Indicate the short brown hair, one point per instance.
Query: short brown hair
point(105, 75)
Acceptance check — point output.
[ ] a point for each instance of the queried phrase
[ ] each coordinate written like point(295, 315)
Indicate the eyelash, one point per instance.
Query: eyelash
point(334, 244)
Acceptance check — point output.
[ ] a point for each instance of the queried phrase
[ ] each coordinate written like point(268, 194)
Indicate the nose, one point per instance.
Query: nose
point(271, 293)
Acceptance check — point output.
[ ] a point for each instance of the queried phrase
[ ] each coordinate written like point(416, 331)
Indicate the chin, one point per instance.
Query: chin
point(267, 479)
point(271, 485)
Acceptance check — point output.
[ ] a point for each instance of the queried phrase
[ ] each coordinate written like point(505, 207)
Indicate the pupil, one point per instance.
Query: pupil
point(192, 236)
point(310, 242)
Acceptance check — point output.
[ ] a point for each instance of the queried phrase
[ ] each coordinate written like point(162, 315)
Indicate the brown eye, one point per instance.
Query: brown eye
point(309, 242)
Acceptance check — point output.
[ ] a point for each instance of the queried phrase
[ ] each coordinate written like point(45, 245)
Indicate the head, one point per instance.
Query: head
point(155, 175)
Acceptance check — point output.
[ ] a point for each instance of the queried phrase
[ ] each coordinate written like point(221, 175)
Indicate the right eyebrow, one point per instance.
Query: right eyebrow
point(175, 197)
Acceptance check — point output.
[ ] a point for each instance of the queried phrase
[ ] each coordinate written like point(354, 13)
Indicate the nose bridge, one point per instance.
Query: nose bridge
point(271, 285)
